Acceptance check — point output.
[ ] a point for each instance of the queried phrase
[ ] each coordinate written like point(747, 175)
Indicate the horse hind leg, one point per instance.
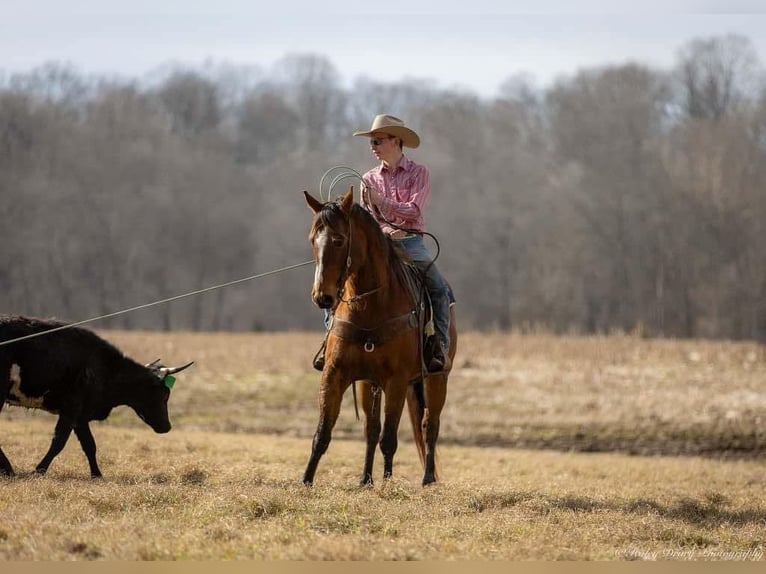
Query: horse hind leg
point(389, 441)
point(435, 393)
point(370, 400)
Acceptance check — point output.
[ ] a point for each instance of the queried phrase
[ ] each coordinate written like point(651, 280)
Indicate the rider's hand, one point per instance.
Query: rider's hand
point(373, 196)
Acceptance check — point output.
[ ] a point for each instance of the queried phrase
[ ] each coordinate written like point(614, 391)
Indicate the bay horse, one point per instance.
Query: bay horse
point(374, 338)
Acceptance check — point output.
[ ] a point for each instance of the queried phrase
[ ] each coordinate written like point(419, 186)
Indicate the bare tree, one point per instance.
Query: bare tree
point(591, 205)
point(607, 122)
point(192, 102)
point(312, 86)
point(267, 127)
point(717, 74)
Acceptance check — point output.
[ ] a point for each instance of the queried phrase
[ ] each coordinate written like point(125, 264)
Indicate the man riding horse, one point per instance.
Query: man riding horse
point(396, 192)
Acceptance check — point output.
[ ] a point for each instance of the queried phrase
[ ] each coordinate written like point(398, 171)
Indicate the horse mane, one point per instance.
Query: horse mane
point(380, 241)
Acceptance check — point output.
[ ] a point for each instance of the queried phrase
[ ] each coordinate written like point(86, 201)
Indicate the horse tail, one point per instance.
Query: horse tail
point(416, 405)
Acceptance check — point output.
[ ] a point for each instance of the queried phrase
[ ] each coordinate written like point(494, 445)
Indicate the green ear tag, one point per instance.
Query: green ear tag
point(169, 381)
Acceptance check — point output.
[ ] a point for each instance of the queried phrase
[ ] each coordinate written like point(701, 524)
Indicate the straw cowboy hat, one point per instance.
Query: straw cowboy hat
point(392, 126)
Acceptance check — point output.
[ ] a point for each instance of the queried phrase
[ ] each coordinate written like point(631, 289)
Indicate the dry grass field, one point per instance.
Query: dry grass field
point(598, 448)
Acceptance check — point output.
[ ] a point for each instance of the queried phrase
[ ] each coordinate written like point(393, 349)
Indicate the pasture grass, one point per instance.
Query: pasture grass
point(218, 496)
point(225, 483)
point(591, 394)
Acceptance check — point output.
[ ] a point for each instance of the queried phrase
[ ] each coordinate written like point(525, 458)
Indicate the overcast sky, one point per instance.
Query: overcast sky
point(472, 44)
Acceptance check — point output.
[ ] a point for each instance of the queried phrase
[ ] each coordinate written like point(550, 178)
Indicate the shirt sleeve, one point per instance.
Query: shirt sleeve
point(417, 196)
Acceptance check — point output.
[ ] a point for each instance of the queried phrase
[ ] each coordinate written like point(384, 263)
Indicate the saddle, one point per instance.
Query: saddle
point(419, 317)
point(415, 281)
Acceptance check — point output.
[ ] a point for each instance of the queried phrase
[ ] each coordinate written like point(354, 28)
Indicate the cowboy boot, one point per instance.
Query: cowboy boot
point(440, 360)
point(318, 361)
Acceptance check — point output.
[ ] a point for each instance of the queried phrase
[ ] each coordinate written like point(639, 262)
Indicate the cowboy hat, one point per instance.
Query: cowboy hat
point(392, 126)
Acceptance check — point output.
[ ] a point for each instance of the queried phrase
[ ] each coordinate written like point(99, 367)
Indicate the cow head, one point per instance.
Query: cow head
point(151, 394)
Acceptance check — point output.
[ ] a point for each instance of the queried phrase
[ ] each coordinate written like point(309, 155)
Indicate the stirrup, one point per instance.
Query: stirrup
point(318, 360)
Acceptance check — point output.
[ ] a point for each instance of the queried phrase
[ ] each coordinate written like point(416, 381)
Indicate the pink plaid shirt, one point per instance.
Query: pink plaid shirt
point(405, 193)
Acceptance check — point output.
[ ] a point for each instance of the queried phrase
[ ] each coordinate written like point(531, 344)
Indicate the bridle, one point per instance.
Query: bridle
point(341, 287)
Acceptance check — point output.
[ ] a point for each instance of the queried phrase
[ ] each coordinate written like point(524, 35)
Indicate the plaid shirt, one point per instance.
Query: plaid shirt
point(405, 193)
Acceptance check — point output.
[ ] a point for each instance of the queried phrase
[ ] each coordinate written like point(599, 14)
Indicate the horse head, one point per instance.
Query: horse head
point(330, 238)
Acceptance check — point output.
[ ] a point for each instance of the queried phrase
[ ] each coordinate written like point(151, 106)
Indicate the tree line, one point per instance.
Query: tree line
point(621, 198)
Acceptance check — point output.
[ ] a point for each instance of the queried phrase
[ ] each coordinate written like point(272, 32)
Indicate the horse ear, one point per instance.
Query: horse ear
point(314, 204)
point(348, 200)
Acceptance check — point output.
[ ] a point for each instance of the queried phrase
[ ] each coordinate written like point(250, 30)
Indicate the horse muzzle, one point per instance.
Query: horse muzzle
point(324, 300)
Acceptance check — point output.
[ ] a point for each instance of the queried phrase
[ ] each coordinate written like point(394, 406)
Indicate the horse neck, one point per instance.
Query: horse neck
point(365, 278)
point(374, 273)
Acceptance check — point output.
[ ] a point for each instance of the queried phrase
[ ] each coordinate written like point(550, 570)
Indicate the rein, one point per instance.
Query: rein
point(357, 298)
point(344, 277)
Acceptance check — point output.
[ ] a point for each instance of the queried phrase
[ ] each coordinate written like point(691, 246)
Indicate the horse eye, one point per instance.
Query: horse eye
point(337, 241)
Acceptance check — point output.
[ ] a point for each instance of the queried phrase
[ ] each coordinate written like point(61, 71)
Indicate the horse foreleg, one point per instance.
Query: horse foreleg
point(330, 395)
point(371, 405)
point(389, 442)
point(435, 393)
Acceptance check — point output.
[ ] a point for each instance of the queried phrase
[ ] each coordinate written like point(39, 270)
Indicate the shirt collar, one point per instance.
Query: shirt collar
point(405, 164)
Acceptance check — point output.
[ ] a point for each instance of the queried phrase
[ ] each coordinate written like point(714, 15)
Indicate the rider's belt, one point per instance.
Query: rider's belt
point(399, 235)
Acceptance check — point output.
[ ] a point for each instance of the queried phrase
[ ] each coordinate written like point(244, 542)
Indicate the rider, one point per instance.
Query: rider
point(396, 192)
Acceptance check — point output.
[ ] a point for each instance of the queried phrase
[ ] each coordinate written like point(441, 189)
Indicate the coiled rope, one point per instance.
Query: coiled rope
point(345, 173)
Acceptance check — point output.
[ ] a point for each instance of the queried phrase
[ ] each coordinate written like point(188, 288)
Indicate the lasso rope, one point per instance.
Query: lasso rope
point(344, 173)
point(152, 304)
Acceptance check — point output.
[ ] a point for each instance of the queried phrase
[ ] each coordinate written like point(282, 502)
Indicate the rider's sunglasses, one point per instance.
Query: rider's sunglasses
point(380, 140)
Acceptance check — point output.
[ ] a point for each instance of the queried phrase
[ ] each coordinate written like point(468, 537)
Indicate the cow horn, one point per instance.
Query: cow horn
point(152, 364)
point(173, 370)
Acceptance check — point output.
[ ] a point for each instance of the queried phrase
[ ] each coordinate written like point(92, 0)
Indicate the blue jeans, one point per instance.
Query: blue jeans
point(435, 283)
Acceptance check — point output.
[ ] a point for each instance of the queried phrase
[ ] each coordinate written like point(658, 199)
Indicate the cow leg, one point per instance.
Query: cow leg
point(330, 394)
point(371, 405)
point(5, 465)
point(60, 436)
point(395, 395)
point(88, 444)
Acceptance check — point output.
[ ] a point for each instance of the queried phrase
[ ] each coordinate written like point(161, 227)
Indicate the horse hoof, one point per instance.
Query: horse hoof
point(428, 480)
point(366, 481)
